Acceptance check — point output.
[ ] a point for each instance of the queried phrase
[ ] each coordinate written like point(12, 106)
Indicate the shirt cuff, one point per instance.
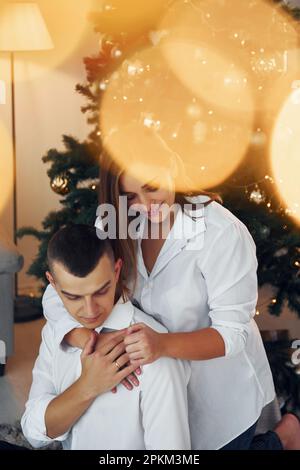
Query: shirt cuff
point(234, 338)
point(34, 426)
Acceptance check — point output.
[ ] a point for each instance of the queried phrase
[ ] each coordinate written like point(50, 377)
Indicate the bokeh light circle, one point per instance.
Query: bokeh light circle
point(246, 39)
point(127, 16)
point(285, 154)
point(145, 94)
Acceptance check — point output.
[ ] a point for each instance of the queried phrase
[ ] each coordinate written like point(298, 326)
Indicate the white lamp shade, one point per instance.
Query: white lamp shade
point(22, 28)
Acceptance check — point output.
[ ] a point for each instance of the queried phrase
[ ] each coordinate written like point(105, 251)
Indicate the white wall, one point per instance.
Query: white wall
point(6, 161)
point(47, 106)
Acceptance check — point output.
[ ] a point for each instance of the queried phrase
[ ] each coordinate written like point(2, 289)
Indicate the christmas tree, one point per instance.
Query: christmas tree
point(249, 192)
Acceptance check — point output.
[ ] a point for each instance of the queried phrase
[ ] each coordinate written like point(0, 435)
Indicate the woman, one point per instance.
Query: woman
point(198, 278)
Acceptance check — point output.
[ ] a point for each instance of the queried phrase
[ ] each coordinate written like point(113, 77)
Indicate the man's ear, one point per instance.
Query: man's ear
point(50, 278)
point(118, 267)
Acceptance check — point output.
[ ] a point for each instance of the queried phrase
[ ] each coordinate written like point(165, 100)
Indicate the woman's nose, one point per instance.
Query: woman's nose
point(143, 204)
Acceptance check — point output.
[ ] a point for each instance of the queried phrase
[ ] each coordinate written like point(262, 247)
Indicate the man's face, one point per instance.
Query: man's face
point(88, 299)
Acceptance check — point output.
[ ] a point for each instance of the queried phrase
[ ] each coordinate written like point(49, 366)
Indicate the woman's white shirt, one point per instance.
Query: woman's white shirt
point(205, 276)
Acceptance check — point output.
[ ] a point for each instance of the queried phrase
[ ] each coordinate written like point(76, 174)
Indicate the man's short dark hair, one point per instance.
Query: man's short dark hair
point(78, 249)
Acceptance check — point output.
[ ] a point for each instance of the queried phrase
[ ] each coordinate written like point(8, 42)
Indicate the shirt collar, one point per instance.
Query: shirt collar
point(187, 225)
point(121, 316)
point(190, 221)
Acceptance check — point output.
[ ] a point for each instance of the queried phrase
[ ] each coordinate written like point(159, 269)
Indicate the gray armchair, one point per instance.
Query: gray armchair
point(10, 263)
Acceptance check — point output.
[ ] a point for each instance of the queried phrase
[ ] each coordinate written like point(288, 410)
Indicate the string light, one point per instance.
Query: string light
point(103, 85)
point(254, 194)
point(262, 305)
point(257, 195)
point(116, 53)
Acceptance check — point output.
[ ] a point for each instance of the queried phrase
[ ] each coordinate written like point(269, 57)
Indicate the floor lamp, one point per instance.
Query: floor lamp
point(22, 29)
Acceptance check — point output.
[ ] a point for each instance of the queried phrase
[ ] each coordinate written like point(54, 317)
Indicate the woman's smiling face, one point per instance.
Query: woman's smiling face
point(153, 194)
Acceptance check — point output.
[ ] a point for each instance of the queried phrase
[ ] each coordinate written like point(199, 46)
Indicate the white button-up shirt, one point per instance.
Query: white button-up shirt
point(205, 276)
point(152, 416)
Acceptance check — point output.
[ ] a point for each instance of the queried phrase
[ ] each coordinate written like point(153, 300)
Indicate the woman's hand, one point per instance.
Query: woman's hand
point(143, 345)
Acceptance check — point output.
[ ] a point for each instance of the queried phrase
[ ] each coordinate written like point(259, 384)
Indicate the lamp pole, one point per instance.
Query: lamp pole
point(14, 149)
point(14, 154)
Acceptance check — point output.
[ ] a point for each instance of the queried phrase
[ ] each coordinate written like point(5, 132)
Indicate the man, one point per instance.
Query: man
point(70, 398)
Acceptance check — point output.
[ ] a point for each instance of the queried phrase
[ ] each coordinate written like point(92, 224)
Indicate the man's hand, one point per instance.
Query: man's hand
point(78, 337)
point(99, 374)
point(105, 367)
point(128, 382)
point(143, 345)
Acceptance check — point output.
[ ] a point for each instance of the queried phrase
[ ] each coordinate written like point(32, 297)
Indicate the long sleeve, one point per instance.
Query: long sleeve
point(58, 317)
point(164, 404)
point(230, 273)
point(42, 392)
